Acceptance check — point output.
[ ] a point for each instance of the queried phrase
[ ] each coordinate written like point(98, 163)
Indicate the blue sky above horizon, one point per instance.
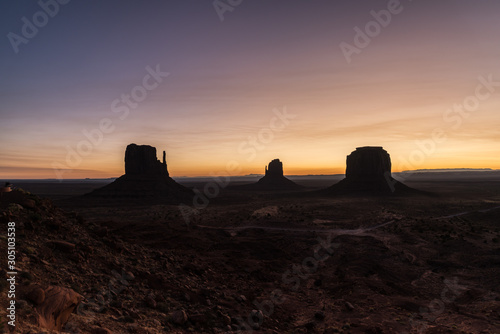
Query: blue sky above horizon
point(227, 79)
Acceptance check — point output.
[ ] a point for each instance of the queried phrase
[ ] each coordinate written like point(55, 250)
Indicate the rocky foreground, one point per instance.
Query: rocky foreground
point(294, 266)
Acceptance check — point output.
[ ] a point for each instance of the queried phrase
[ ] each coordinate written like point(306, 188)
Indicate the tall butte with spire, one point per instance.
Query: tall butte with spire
point(141, 161)
point(145, 177)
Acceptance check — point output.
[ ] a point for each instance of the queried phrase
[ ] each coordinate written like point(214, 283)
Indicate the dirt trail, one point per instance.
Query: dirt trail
point(467, 212)
point(337, 231)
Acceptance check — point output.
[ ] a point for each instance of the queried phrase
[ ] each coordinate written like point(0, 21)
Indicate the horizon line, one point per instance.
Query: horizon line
point(432, 170)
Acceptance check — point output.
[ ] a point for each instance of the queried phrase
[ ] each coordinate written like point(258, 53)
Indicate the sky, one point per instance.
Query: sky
point(219, 84)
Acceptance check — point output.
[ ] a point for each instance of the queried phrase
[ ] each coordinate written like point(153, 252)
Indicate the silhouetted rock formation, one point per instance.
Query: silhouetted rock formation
point(141, 160)
point(368, 171)
point(273, 179)
point(368, 163)
point(145, 177)
point(275, 169)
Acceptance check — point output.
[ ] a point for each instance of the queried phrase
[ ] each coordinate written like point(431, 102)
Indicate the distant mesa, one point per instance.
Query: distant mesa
point(272, 180)
point(145, 177)
point(368, 171)
point(368, 163)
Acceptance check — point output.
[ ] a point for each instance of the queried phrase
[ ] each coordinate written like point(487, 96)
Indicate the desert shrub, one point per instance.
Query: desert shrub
point(22, 191)
point(13, 207)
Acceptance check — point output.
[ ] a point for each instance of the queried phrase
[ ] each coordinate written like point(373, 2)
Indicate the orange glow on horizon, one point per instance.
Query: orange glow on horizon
point(230, 88)
point(48, 173)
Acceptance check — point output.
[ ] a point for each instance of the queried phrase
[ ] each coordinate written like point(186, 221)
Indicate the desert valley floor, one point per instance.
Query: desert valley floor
point(265, 262)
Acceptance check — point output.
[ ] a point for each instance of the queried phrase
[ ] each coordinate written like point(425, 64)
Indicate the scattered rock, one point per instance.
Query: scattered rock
point(22, 304)
point(126, 319)
point(155, 282)
point(150, 301)
point(101, 330)
point(134, 314)
point(35, 294)
point(226, 319)
point(256, 316)
point(15, 207)
point(349, 306)
point(62, 245)
point(29, 203)
point(178, 317)
point(52, 225)
point(198, 318)
point(241, 298)
point(310, 326)
point(129, 276)
point(319, 316)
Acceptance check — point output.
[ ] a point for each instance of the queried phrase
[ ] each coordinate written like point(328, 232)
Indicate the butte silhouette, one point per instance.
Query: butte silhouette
point(368, 171)
point(272, 180)
point(145, 177)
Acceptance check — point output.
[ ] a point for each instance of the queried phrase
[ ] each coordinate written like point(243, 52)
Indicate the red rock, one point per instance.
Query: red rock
point(349, 306)
point(36, 294)
point(150, 301)
point(178, 317)
point(58, 305)
point(28, 203)
point(62, 245)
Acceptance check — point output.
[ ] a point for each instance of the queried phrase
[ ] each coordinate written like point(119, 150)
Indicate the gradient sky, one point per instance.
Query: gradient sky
point(227, 77)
